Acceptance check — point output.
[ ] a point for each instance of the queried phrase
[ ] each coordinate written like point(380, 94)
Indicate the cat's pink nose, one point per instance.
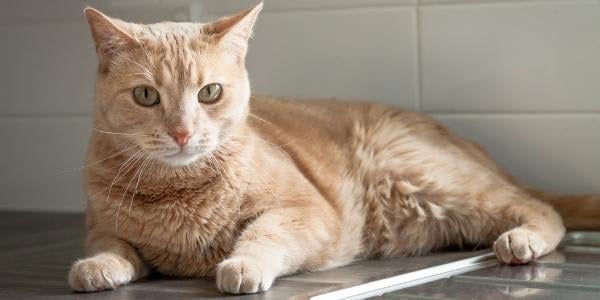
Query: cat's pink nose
point(181, 135)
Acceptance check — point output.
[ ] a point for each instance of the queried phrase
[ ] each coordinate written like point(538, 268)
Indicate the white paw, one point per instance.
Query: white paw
point(98, 273)
point(519, 246)
point(243, 275)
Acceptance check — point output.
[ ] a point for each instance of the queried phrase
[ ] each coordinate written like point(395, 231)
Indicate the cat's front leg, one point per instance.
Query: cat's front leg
point(112, 263)
point(279, 242)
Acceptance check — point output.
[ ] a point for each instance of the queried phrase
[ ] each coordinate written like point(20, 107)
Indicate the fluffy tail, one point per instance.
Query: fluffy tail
point(578, 212)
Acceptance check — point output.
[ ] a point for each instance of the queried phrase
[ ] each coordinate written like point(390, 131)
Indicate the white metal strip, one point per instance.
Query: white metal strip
point(381, 286)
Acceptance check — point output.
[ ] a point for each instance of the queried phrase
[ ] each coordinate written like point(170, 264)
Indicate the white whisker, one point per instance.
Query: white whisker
point(121, 133)
point(145, 70)
point(97, 162)
point(145, 164)
point(261, 119)
point(125, 193)
point(123, 165)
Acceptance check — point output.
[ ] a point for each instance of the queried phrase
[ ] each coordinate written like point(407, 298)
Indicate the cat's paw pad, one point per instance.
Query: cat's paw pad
point(98, 273)
point(519, 246)
point(243, 275)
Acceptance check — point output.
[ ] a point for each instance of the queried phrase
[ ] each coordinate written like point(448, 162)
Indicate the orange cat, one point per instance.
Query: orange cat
point(190, 176)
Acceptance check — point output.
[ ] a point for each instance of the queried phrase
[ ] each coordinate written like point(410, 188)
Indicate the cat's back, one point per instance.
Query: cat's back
point(319, 132)
point(305, 112)
point(327, 118)
point(330, 121)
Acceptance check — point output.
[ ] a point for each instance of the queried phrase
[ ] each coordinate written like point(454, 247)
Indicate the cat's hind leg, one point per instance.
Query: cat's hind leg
point(428, 189)
point(539, 232)
point(519, 227)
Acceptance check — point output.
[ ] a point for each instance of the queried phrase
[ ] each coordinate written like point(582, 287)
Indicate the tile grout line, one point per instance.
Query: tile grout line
point(45, 115)
point(479, 2)
point(521, 282)
point(380, 5)
point(515, 114)
point(418, 58)
point(316, 9)
point(416, 3)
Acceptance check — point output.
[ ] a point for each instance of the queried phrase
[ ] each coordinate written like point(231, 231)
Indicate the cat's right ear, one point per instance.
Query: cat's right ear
point(109, 34)
point(233, 32)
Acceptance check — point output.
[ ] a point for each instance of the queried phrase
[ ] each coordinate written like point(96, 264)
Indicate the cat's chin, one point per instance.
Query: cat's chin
point(180, 159)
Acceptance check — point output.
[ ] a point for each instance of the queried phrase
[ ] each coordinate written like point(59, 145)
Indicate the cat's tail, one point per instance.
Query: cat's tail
point(578, 212)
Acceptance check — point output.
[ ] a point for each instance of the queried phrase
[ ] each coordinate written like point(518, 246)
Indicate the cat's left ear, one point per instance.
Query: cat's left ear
point(110, 35)
point(233, 32)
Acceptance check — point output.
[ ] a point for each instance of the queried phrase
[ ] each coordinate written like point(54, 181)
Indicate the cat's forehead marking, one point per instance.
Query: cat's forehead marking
point(176, 57)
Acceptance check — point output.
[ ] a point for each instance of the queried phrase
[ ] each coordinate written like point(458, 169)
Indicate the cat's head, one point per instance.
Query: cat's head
point(173, 90)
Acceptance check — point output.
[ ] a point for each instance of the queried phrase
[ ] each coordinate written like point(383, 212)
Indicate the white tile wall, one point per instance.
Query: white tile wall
point(51, 68)
point(557, 152)
point(332, 53)
point(511, 57)
point(520, 77)
point(35, 154)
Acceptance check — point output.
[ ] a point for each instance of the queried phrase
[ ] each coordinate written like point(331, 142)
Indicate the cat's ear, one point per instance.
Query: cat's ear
point(109, 34)
point(233, 32)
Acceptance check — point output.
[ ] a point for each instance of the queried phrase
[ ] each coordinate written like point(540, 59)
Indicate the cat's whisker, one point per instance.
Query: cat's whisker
point(145, 70)
point(218, 168)
point(239, 205)
point(121, 133)
point(261, 119)
point(129, 169)
point(224, 179)
point(103, 122)
point(145, 52)
point(273, 144)
point(247, 136)
point(91, 197)
point(294, 141)
point(137, 74)
point(125, 192)
point(99, 161)
point(145, 164)
point(122, 166)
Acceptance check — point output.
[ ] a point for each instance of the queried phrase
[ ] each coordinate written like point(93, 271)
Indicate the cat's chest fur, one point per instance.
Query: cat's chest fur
point(184, 231)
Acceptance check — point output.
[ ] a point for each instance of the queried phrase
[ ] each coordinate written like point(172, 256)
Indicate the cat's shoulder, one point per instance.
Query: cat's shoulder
point(270, 103)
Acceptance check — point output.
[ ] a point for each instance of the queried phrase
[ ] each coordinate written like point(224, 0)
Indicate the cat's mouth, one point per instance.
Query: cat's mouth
point(184, 155)
point(180, 158)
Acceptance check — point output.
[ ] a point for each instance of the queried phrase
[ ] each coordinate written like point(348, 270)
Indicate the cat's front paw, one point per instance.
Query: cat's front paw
point(243, 275)
point(102, 272)
point(519, 246)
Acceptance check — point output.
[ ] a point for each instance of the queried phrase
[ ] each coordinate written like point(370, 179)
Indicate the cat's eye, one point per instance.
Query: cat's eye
point(146, 95)
point(210, 93)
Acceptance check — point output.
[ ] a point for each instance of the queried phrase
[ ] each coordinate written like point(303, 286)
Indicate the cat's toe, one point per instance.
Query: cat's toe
point(519, 246)
point(242, 275)
point(98, 273)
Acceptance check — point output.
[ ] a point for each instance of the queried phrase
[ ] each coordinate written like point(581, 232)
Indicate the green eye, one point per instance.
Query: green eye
point(210, 93)
point(146, 95)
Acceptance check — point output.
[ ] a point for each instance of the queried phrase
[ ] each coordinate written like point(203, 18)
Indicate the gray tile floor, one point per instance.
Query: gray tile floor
point(570, 272)
point(37, 249)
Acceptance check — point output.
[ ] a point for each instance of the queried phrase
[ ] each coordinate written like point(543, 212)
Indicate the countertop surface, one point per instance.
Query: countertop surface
point(37, 250)
point(571, 272)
